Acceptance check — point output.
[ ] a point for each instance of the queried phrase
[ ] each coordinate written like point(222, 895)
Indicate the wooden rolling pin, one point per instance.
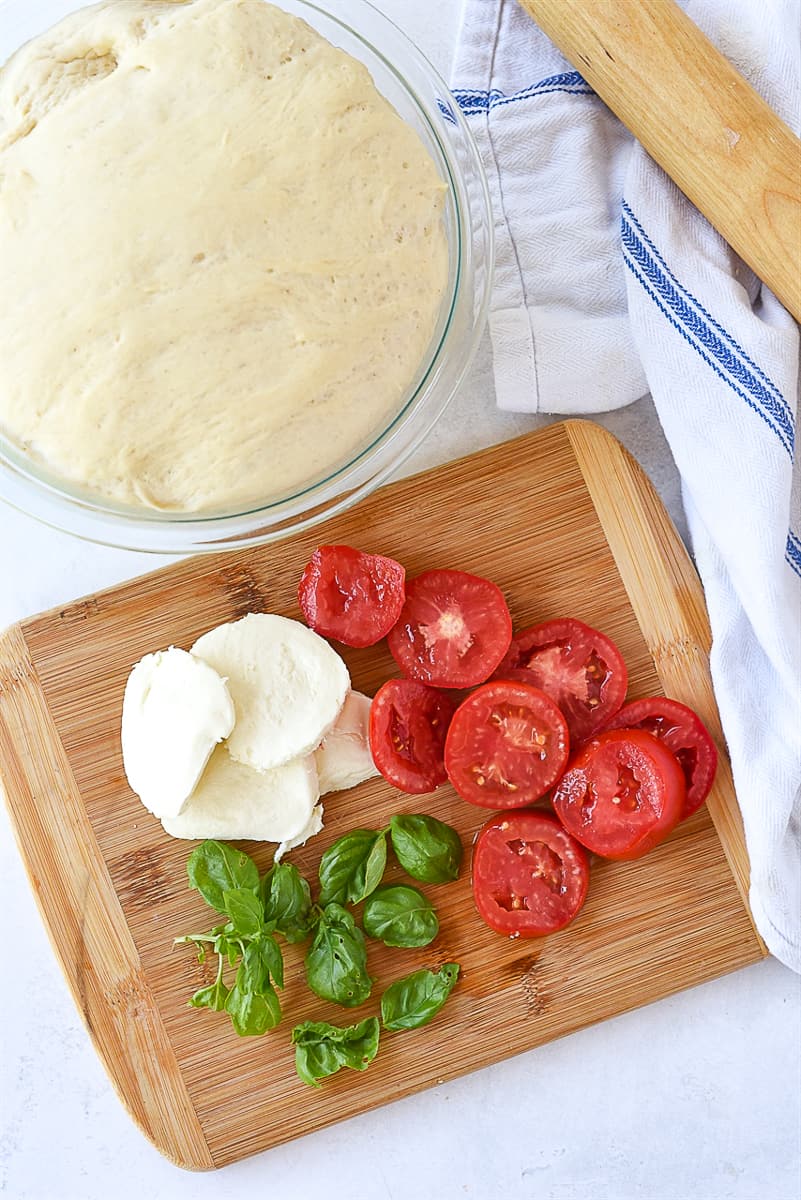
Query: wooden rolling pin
point(698, 118)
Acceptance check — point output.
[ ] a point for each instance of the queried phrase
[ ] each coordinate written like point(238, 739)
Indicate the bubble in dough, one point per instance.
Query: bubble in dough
point(223, 254)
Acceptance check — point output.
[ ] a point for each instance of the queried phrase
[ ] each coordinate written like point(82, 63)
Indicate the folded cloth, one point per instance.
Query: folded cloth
point(610, 284)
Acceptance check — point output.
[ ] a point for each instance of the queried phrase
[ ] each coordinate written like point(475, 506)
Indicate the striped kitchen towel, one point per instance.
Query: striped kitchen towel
point(609, 284)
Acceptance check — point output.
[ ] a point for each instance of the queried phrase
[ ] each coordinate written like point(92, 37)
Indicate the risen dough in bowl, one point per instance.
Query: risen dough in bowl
point(222, 254)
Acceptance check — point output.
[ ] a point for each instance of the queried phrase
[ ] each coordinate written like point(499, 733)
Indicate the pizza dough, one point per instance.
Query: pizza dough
point(222, 251)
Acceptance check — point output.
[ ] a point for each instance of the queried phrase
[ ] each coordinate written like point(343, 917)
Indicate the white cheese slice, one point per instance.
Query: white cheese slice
point(234, 802)
point(314, 825)
point(344, 758)
point(286, 682)
point(175, 710)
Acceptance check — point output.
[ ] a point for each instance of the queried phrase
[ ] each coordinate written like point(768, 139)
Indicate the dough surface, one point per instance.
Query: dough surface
point(222, 254)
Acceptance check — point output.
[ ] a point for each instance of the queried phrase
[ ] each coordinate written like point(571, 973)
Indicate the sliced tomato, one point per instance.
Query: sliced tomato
point(350, 596)
point(530, 877)
point(507, 744)
point(579, 667)
point(408, 724)
point(453, 631)
point(684, 733)
point(622, 794)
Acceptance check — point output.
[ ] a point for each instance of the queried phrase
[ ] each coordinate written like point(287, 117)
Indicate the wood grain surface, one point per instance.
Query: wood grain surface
point(698, 118)
point(578, 531)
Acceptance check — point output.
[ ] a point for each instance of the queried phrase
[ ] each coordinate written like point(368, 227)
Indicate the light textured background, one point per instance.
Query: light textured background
point(695, 1098)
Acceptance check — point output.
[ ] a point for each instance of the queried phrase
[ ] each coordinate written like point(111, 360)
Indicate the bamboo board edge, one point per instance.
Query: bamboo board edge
point(71, 886)
point(687, 654)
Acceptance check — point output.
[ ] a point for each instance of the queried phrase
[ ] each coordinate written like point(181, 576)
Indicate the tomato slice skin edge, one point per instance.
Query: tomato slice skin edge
point(529, 875)
point(408, 724)
point(684, 733)
point(579, 667)
point(350, 596)
point(453, 631)
point(621, 795)
point(507, 744)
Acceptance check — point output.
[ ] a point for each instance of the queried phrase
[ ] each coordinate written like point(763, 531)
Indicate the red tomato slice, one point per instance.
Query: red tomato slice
point(454, 629)
point(622, 794)
point(530, 877)
point(684, 733)
point(408, 724)
point(579, 667)
point(507, 744)
point(350, 596)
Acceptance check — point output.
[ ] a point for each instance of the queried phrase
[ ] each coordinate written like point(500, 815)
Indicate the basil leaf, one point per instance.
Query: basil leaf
point(261, 962)
point(336, 963)
point(287, 901)
point(245, 910)
point(352, 868)
point(400, 916)
point(413, 1001)
point(213, 997)
point(214, 868)
point(426, 848)
point(253, 1013)
point(321, 1049)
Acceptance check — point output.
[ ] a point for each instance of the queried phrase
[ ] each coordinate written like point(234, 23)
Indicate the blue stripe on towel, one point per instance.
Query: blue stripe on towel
point(793, 552)
point(701, 335)
point(715, 324)
point(473, 100)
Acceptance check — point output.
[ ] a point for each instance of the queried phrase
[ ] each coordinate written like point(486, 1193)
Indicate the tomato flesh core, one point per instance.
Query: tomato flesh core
point(453, 630)
point(507, 744)
point(622, 794)
point(408, 724)
point(579, 667)
point(530, 877)
point(684, 733)
point(351, 597)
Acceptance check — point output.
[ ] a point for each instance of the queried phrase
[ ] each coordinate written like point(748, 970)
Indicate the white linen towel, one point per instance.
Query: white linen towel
point(610, 284)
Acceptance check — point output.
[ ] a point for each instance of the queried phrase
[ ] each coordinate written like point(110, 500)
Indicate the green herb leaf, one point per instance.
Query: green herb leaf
point(287, 902)
point(253, 1013)
point(352, 868)
point(400, 916)
point(245, 910)
point(229, 947)
point(336, 963)
point(426, 848)
point(321, 1049)
point(215, 868)
point(213, 997)
point(261, 963)
point(413, 1001)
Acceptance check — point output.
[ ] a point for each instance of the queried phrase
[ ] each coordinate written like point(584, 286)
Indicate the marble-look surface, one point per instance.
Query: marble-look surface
point(694, 1098)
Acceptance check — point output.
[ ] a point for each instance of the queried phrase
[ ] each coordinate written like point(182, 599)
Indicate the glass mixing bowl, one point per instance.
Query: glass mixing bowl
point(418, 94)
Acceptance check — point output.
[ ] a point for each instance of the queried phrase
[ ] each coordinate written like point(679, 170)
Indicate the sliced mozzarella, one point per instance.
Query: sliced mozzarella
point(175, 710)
point(286, 682)
point(314, 826)
point(233, 802)
point(344, 758)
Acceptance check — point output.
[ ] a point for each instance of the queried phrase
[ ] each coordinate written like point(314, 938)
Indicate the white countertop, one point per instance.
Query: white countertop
point(694, 1098)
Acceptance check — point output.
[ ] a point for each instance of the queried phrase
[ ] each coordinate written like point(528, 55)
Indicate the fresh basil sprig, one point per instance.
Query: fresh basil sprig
point(336, 962)
point(229, 880)
point(413, 1001)
point(215, 868)
point(245, 910)
point(426, 848)
point(214, 996)
point(400, 916)
point(253, 1013)
point(353, 866)
point(321, 1049)
point(287, 902)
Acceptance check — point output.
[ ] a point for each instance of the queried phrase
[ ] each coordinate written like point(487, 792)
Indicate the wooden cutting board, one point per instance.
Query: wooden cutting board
point(567, 524)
